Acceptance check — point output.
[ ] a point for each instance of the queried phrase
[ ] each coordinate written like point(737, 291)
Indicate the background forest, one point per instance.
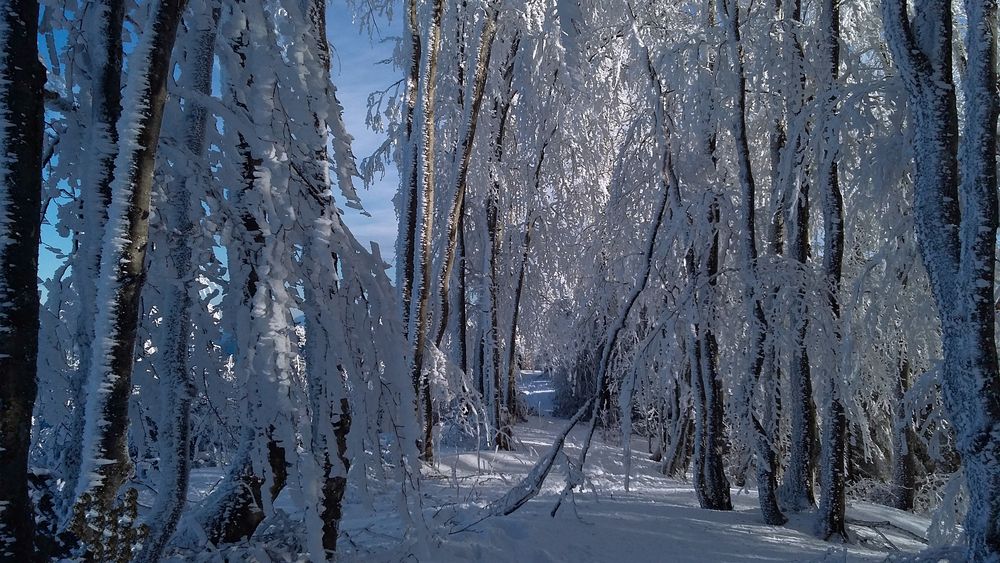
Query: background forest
point(749, 247)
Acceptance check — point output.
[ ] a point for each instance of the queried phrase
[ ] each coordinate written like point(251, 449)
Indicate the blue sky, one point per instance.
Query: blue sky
point(357, 73)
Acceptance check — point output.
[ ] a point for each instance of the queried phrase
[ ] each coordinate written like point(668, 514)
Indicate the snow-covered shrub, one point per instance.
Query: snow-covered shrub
point(464, 423)
point(870, 490)
point(948, 496)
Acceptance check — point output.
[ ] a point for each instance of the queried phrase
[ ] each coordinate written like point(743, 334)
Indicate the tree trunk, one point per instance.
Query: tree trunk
point(972, 385)
point(103, 23)
point(700, 419)
point(710, 439)
point(425, 174)
point(468, 136)
point(771, 379)
point(904, 462)
point(105, 462)
point(185, 203)
point(501, 111)
point(766, 479)
point(512, 370)
point(956, 230)
point(797, 490)
point(410, 194)
point(335, 480)
point(712, 478)
point(327, 345)
point(501, 424)
point(832, 507)
point(235, 508)
point(22, 78)
point(677, 457)
point(462, 301)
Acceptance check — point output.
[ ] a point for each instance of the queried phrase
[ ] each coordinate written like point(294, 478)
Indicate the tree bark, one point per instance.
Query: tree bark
point(406, 249)
point(501, 424)
point(326, 314)
point(22, 79)
point(703, 268)
point(904, 462)
point(501, 112)
point(234, 510)
point(766, 479)
point(106, 463)
point(462, 301)
point(797, 488)
point(956, 228)
point(103, 22)
point(512, 371)
point(185, 203)
point(468, 136)
point(712, 477)
point(832, 507)
point(236, 507)
point(425, 174)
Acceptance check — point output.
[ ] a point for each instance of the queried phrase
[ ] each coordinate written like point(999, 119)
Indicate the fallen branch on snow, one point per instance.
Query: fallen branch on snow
point(531, 485)
point(876, 524)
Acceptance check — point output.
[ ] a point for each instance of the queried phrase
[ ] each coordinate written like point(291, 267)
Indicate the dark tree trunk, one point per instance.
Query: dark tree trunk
point(710, 477)
point(22, 78)
point(832, 508)
point(500, 113)
point(236, 508)
point(512, 367)
point(456, 216)
point(462, 302)
point(426, 173)
point(410, 194)
point(331, 417)
point(676, 465)
point(766, 479)
point(797, 490)
point(335, 482)
point(904, 462)
point(503, 431)
point(699, 443)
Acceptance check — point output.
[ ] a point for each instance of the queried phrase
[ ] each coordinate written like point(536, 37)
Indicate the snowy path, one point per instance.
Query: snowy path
point(538, 391)
point(659, 520)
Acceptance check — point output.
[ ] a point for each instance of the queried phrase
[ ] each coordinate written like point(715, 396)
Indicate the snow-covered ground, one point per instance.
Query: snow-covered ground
point(658, 520)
